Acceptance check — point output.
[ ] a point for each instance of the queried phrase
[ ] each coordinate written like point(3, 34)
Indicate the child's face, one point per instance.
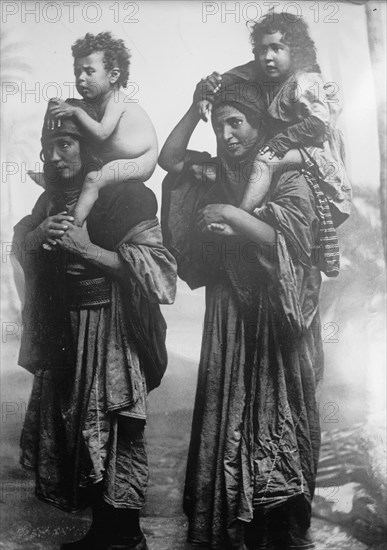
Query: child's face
point(274, 56)
point(92, 79)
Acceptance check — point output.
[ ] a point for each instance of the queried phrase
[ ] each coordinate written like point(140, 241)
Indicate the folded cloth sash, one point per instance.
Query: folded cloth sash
point(82, 293)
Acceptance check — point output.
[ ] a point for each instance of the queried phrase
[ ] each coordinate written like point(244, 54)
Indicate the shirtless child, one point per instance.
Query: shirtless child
point(125, 136)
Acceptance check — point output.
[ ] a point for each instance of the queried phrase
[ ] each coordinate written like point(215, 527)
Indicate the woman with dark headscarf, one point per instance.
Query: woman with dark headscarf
point(94, 339)
point(255, 432)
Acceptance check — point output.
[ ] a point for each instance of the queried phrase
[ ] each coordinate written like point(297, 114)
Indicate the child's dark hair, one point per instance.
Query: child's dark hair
point(116, 54)
point(295, 34)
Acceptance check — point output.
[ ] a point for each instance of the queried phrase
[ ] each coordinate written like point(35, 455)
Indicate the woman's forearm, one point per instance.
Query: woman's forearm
point(34, 239)
point(172, 154)
point(27, 247)
point(250, 227)
point(107, 260)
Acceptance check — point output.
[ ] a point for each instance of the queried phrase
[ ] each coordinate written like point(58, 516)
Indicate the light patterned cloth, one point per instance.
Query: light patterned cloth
point(302, 95)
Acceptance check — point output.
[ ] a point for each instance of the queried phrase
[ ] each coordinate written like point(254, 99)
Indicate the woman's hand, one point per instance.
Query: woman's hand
point(204, 94)
point(204, 173)
point(76, 240)
point(214, 214)
point(54, 227)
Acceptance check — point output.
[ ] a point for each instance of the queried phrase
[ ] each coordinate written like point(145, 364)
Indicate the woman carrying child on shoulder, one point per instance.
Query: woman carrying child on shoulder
point(255, 434)
point(95, 340)
point(301, 124)
point(124, 134)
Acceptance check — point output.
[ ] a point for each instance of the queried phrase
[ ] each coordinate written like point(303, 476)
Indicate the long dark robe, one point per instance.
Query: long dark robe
point(255, 431)
point(93, 363)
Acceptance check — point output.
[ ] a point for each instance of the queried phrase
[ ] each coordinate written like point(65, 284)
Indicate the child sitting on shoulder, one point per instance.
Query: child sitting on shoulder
point(301, 120)
point(125, 137)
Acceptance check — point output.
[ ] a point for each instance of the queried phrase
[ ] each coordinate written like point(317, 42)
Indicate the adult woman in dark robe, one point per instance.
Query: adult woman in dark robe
point(255, 431)
point(94, 338)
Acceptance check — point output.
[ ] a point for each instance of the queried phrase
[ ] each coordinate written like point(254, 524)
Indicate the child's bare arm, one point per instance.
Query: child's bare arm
point(265, 166)
point(100, 131)
point(311, 131)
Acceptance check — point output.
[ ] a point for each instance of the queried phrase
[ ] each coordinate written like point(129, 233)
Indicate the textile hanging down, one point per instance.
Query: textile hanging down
point(268, 366)
point(377, 45)
point(96, 346)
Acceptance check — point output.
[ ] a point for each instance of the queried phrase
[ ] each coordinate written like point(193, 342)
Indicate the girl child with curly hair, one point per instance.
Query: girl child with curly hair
point(124, 134)
point(301, 121)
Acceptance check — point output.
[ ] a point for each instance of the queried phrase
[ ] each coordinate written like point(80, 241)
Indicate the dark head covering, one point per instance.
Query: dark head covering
point(67, 195)
point(68, 126)
point(246, 97)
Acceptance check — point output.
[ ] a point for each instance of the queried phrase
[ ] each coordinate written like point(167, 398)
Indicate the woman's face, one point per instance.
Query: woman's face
point(64, 153)
point(234, 134)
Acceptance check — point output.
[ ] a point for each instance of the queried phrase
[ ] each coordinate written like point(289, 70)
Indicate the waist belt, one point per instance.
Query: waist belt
point(88, 292)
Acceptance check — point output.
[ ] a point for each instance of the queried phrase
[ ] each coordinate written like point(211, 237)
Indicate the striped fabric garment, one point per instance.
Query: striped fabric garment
point(326, 254)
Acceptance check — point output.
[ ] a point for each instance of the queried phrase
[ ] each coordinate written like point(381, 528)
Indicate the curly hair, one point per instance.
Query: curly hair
point(116, 54)
point(295, 34)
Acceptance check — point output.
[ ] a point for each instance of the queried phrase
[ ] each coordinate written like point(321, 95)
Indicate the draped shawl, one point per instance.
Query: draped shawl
point(123, 219)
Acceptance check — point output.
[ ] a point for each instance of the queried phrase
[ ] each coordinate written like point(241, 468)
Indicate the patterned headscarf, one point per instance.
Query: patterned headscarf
point(68, 126)
point(245, 97)
point(67, 195)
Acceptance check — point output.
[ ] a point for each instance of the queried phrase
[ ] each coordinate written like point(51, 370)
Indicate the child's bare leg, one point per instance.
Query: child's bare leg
point(266, 165)
point(87, 198)
point(117, 171)
point(257, 186)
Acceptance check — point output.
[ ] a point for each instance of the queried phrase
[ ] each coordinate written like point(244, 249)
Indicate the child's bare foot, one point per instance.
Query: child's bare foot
point(221, 229)
point(86, 200)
